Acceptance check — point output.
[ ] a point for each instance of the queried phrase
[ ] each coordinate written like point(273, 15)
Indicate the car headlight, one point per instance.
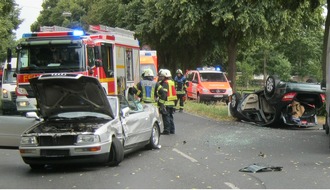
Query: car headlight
point(88, 139)
point(29, 141)
point(229, 91)
point(205, 90)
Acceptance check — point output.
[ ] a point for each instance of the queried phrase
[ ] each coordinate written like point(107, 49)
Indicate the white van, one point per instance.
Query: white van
point(8, 95)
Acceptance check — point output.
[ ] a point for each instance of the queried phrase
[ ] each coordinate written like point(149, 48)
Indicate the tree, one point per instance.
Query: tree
point(65, 13)
point(9, 21)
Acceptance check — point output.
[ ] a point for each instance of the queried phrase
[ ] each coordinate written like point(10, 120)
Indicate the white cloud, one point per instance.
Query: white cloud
point(30, 10)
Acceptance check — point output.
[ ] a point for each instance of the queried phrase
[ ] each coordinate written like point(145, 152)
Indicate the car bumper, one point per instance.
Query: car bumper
point(66, 154)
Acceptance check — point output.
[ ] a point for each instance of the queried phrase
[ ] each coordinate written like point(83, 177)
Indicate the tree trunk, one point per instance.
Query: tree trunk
point(325, 43)
point(265, 65)
point(232, 55)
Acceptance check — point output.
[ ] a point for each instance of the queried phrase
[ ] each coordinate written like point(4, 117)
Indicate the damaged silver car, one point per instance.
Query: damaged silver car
point(81, 124)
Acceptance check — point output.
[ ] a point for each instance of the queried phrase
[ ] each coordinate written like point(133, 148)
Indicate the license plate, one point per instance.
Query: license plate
point(218, 96)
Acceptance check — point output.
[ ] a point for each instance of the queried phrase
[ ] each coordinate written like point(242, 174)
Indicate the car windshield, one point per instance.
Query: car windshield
point(213, 77)
point(50, 58)
point(80, 115)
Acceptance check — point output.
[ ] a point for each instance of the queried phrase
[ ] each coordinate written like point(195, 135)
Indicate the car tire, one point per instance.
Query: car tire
point(116, 153)
point(235, 99)
point(270, 86)
point(37, 166)
point(154, 138)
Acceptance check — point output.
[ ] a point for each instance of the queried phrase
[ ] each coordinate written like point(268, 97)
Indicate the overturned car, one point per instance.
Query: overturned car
point(288, 102)
point(81, 124)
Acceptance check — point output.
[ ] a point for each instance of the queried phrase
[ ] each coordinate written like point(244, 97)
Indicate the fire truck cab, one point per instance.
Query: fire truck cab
point(109, 54)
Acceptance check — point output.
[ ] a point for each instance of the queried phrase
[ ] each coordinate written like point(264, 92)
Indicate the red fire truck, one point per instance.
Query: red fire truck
point(109, 54)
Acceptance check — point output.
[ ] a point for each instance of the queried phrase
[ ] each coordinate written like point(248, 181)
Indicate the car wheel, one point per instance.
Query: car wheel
point(37, 166)
point(270, 86)
point(235, 99)
point(116, 152)
point(154, 138)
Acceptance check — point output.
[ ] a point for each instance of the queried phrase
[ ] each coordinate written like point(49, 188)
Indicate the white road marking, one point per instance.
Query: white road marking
point(184, 155)
point(230, 185)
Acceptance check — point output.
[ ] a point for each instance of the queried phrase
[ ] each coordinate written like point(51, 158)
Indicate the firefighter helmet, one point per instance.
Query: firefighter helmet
point(179, 71)
point(165, 73)
point(148, 73)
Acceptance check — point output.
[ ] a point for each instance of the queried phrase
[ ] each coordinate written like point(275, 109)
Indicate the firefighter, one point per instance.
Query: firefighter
point(149, 91)
point(169, 86)
point(180, 86)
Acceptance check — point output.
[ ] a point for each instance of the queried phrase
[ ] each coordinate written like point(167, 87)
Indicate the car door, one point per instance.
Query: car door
point(189, 77)
point(138, 123)
point(194, 85)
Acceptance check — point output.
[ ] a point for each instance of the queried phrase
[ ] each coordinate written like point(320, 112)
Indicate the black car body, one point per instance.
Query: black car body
point(291, 102)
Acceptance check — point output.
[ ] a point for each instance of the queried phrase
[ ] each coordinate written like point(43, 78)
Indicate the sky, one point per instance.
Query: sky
point(30, 10)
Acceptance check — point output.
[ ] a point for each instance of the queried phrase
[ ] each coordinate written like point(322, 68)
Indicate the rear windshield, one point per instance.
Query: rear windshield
point(213, 77)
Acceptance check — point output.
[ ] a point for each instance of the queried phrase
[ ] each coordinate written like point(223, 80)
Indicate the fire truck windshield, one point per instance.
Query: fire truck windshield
point(50, 58)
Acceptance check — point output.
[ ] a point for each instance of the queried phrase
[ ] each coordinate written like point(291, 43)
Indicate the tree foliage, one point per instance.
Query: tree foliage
point(267, 35)
point(9, 21)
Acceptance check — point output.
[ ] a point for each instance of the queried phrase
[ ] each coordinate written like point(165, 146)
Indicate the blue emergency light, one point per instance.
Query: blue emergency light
point(73, 33)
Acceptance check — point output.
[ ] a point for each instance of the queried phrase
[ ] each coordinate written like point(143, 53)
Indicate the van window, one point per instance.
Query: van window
point(213, 77)
point(190, 76)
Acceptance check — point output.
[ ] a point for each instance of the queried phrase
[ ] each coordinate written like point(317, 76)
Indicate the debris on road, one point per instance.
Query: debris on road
point(254, 168)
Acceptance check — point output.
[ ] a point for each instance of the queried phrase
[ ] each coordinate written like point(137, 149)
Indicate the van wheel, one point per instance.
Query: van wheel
point(116, 152)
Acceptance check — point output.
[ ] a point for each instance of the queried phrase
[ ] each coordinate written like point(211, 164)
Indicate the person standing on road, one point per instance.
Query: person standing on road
point(150, 91)
point(180, 86)
point(169, 86)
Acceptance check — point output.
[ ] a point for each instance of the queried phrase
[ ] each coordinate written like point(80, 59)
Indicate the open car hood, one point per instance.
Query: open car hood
point(69, 93)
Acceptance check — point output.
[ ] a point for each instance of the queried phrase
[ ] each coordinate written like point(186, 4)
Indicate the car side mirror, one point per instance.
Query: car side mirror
point(125, 112)
point(32, 115)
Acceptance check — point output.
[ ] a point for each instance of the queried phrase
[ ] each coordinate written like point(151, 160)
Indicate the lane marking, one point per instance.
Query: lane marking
point(230, 185)
point(184, 155)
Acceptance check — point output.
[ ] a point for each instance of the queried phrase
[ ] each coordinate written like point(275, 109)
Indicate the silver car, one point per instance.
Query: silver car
point(81, 124)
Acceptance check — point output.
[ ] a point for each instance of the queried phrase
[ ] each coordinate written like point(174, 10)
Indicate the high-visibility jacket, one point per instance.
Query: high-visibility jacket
point(148, 91)
point(169, 86)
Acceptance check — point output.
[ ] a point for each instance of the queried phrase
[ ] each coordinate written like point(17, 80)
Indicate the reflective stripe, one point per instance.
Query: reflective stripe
point(148, 91)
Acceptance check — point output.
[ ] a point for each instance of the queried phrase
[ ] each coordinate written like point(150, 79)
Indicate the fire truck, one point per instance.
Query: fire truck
point(107, 53)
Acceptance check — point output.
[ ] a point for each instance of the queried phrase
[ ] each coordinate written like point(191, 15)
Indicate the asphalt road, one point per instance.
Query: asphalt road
point(202, 154)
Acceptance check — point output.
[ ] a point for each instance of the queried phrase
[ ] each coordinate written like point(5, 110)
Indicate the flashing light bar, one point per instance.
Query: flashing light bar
point(54, 34)
point(216, 68)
